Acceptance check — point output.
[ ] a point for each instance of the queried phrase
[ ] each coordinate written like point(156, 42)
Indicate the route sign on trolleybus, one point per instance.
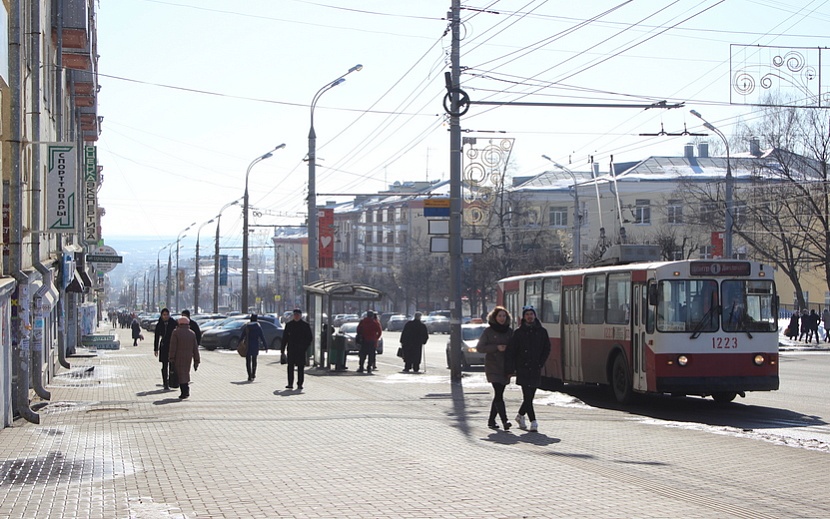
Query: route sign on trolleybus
point(704, 328)
point(103, 259)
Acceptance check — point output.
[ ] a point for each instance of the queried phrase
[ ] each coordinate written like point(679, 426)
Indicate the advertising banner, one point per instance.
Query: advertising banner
point(90, 214)
point(61, 187)
point(223, 270)
point(325, 221)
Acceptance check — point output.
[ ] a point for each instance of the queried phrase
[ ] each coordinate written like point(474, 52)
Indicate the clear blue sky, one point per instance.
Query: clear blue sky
point(194, 90)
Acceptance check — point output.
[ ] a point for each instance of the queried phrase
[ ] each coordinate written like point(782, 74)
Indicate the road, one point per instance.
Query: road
point(797, 414)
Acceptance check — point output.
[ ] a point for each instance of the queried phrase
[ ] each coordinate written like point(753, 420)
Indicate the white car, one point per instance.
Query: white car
point(470, 334)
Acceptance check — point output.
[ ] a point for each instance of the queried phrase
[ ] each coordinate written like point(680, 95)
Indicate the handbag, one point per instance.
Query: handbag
point(242, 347)
point(173, 378)
point(400, 351)
point(283, 358)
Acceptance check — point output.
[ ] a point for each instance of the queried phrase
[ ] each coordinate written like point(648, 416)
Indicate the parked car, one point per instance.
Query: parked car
point(437, 324)
point(397, 322)
point(148, 321)
point(348, 318)
point(470, 334)
point(338, 320)
point(384, 319)
point(347, 333)
point(228, 334)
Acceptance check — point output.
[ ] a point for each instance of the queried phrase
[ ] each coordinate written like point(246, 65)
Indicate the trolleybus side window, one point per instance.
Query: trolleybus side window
point(551, 300)
point(619, 297)
point(650, 312)
point(593, 299)
point(687, 305)
point(748, 305)
point(533, 294)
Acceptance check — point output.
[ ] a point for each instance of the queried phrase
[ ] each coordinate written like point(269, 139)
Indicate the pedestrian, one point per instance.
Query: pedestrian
point(529, 349)
point(805, 324)
point(413, 337)
point(184, 351)
point(194, 326)
point(367, 335)
point(825, 318)
point(161, 344)
point(255, 337)
point(296, 338)
point(135, 327)
point(792, 327)
point(493, 343)
point(813, 331)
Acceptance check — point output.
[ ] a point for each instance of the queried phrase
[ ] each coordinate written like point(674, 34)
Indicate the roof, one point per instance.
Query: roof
point(343, 291)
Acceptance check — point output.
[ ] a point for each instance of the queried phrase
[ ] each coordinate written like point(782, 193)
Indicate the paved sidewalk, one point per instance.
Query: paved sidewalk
point(113, 444)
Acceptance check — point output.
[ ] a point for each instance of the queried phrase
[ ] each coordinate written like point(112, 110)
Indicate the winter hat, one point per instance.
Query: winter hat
point(529, 308)
point(184, 320)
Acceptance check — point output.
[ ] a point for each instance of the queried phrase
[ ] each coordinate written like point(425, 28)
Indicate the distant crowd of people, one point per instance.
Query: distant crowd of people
point(804, 325)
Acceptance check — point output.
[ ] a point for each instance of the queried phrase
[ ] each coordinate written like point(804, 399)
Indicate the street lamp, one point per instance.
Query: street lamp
point(312, 188)
point(577, 224)
point(158, 273)
point(216, 257)
point(196, 274)
point(244, 302)
point(728, 221)
point(181, 235)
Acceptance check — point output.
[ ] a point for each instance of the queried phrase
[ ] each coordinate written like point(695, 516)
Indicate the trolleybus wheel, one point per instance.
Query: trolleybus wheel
point(725, 397)
point(620, 380)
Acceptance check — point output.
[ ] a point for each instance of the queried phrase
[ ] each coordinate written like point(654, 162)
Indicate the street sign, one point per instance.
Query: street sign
point(104, 258)
point(437, 208)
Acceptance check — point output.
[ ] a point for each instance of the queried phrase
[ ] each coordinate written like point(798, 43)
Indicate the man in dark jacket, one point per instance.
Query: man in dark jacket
point(413, 338)
point(529, 347)
point(161, 344)
point(193, 326)
point(296, 337)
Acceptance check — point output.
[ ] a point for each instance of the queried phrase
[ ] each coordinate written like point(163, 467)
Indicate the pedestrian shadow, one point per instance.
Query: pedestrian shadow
point(153, 392)
point(509, 438)
point(287, 392)
point(165, 401)
point(241, 382)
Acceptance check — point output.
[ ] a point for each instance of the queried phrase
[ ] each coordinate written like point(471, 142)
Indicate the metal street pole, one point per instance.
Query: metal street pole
point(728, 218)
point(577, 238)
point(313, 244)
point(455, 195)
point(196, 276)
point(181, 235)
point(216, 257)
point(158, 274)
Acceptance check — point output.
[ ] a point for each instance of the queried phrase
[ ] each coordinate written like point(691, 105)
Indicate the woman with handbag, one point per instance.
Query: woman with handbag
point(254, 337)
point(493, 343)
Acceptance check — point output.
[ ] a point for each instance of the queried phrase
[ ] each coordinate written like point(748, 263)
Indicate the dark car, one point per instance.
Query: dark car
point(384, 319)
point(347, 333)
point(148, 321)
point(228, 334)
point(397, 322)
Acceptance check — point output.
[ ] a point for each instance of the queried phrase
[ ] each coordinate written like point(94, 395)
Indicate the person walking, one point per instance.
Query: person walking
point(825, 318)
point(529, 348)
point(184, 351)
point(135, 327)
point(368, 332)
point(253, 332)
point(161, 344)
point(493, 343)
point(413, 337)
point(296, 338)
point(805, 324)
point(194, 326)
point(813, 331)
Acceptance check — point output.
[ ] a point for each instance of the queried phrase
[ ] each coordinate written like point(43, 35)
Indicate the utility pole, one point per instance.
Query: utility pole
point(455, 193)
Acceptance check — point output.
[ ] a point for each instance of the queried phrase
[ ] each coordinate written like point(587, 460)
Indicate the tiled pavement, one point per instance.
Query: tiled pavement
point(113, 444)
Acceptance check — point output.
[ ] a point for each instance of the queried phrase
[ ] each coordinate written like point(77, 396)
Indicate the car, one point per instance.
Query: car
point(384, 319)
point(348, 318)
point(437, 324)
point(338, 320)
point(228, 334)
point(445, 313)
point(347, 333)
point(397, 322)
point(148, 321)
point(470, 334)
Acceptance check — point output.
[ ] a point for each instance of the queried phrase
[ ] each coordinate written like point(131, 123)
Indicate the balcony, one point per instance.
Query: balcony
point(77, 35)
point(84, 88)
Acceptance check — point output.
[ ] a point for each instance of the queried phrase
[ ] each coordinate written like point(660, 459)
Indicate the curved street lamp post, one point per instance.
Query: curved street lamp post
point(728, 221)
point(577, 241)
point(313, 244)
point(196, 276)
point(244, 301)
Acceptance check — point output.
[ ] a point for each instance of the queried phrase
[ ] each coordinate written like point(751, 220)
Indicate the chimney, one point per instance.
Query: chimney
point(703, 150)
point(689, 151)
point(754, 147)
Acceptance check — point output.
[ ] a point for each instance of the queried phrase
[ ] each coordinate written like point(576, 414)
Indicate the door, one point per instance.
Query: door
point(571, 317)
point(638, 337)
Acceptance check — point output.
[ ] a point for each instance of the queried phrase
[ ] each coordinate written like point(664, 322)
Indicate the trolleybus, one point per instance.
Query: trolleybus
point(706, 328)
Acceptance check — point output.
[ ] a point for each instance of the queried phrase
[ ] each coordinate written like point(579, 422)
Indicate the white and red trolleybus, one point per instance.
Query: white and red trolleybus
point(678, 327)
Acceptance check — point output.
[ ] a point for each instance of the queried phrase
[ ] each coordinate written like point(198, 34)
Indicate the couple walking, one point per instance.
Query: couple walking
point(523, 352)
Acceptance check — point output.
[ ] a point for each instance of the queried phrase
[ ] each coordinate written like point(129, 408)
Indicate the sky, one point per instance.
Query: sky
point(193, 91)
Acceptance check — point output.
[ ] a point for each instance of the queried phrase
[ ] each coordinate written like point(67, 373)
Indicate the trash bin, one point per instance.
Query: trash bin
point(337, 355)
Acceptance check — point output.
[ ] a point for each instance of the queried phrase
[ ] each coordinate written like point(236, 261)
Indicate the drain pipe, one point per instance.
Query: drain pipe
point(59, 80)
point(37, 188)
point(23, 326)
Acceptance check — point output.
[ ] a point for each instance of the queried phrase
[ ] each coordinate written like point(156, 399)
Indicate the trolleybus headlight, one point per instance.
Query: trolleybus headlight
point(682, 360)
point(759, 360)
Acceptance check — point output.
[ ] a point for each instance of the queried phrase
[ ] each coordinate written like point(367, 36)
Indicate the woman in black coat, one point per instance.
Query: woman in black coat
point(529, 349)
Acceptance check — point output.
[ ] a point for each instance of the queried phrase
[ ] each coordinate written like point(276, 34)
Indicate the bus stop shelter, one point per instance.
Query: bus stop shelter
point(320, 296)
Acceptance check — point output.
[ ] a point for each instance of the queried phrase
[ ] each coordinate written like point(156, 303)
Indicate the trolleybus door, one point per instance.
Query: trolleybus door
point(638, 337)
point(570, 334)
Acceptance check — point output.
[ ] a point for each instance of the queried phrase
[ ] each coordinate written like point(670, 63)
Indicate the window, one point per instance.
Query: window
point(551, 301)
point(379, 235)
point(533, 294)
point(687, 305)
point(749, 306)
point(708, 213)
point(706, 252)
point(403, 237)
point(674, 212)
point(390, 237)
point(559, 216)
point(593, 299)
point(619, 297)
point(739, 213)
point(642, 212)
point(390, 215)
point(390, 256)
point(368, 256)
point(369, 216)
